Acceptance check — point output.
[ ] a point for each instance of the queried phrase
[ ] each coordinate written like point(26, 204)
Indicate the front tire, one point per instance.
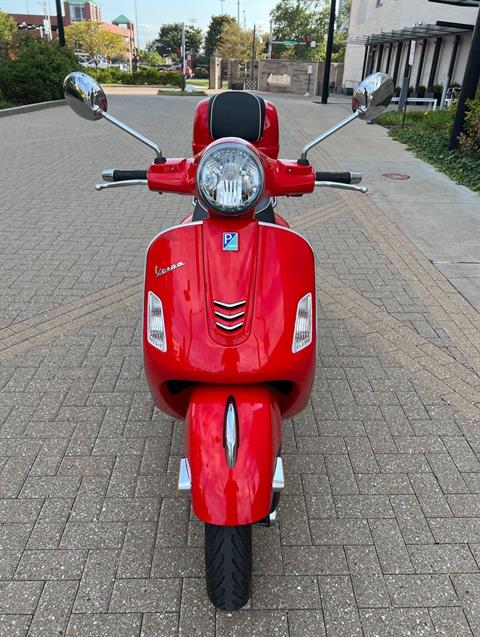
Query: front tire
point(228, 565)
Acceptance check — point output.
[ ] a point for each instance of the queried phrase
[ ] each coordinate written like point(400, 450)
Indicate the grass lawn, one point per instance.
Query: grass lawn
point(427, 136)
point(198, 82)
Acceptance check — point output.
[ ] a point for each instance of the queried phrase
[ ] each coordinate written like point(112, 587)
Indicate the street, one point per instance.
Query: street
point(379, 526)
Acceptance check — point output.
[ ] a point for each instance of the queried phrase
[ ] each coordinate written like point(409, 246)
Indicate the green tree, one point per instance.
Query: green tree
point(237, 43)
point(300, 21)
point(150, 58)
point(214, 37)
point(8, 28)
point(169, 40)
point(341, 33)
point(93, 39)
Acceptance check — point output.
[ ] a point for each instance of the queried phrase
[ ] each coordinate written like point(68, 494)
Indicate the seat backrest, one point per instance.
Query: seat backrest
point(236, 114)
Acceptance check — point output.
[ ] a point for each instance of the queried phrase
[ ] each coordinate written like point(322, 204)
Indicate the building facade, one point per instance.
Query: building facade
point(77, 12)
point(389, 35)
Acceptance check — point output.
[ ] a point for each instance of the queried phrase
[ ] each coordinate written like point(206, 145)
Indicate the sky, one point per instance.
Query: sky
point(153, 13)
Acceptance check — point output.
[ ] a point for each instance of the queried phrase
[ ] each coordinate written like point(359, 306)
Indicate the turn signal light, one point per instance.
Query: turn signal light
point(302, 334)
point(155, 323)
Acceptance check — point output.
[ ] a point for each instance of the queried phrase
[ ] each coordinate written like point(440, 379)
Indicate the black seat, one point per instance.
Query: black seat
point(236, 114)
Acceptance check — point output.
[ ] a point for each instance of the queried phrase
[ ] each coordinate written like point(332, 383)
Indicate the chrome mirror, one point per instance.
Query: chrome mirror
point(85, 96)
point(373, 96)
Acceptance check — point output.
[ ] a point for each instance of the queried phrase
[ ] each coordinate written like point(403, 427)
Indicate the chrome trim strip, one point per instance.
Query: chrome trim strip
point(229, 317)
point(231, 443)
point(229, 328)
point(278, 482)
point(184, 479)
point(229, 306)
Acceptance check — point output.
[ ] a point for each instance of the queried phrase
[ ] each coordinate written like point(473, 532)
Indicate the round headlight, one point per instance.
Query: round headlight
point(230, 178)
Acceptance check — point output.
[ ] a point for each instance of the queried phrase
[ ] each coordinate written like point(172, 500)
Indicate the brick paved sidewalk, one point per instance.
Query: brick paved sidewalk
point(379, 531)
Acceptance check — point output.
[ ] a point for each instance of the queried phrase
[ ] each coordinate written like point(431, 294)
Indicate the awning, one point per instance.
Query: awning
point(416, 32)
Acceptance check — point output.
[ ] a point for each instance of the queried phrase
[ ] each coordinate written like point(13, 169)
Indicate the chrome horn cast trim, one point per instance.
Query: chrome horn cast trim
point(184, 476)
point(278, 482)
point(229, 306)
point(229, 328)
point(231, 433)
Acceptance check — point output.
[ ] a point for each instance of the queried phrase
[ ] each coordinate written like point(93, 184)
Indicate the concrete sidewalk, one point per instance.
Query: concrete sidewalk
point(379, 526)
point(441, 218)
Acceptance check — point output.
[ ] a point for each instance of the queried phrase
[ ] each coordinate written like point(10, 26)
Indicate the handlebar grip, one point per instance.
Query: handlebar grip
point(125, 175)
point(339, 178)
point(111, 174)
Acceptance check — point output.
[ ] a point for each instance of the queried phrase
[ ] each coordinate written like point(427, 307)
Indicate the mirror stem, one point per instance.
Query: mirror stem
point(327, 133)
point(135, 134)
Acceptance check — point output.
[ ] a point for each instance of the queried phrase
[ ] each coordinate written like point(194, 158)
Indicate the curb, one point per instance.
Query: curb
point(29, 108)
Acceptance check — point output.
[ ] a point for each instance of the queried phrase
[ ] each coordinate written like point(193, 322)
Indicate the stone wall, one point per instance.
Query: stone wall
point(288, 76)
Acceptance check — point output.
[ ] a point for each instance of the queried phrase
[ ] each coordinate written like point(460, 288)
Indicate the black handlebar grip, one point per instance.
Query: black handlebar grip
point(127, 175)
point(339, 178)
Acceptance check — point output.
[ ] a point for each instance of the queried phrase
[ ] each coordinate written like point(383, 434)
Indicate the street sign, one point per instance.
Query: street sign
point(310, 69)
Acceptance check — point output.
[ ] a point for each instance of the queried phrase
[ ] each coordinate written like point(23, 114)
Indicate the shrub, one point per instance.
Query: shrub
point(421, 90)
point(113, 75)
point(470, 138)
point(37, 72)
point(201, 73)
point(440, 121)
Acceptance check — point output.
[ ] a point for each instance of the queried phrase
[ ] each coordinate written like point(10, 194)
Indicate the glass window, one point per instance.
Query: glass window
point(76, 13)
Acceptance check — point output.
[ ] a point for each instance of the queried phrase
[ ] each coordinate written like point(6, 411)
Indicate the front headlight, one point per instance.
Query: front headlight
point(230, 178)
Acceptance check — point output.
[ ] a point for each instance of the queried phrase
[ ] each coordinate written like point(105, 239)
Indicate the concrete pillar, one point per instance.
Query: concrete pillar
point(215, 81)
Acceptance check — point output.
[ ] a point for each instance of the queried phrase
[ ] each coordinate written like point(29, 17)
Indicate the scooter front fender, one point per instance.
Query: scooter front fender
point(242, 493)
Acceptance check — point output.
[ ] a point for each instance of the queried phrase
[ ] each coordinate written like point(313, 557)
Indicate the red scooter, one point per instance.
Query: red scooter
point(229, 309)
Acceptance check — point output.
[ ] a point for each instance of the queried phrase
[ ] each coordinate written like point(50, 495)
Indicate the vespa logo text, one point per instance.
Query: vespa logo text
point(161, 271)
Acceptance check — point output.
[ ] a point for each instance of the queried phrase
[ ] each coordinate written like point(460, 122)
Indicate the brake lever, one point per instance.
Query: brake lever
point(121, 184)
point(334, 184)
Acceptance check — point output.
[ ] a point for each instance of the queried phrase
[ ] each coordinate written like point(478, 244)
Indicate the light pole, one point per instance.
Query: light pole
point(137, 41)
point(328, 53)
point(60, 29)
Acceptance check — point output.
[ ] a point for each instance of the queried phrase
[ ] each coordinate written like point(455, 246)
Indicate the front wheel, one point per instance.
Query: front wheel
point(228, 565)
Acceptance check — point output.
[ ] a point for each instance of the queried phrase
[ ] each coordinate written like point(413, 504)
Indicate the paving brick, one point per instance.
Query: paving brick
point(282, 592)
point(306, 623)
point(93, 535)
point(466, 587)
point(421, 590)
point(390, 546)
point(97, 582)
point(137, 550)
point(257, 622)
point(14, 625)
point(396, 622)
point(340, 474)
point(155, 624)
point(314, 560)
point(197, 615)
point(367, 578)
point(339, 608)
point(442, 558)
point(53, 611)
point(411, 519)
point(173, 522)
point(19, 597)
point(345, 531)
point(450, 621)
point(145, 596)
point(430, 495)
point(102, 625)
point(363, 506)
point(294, 526)
point(52, 564)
